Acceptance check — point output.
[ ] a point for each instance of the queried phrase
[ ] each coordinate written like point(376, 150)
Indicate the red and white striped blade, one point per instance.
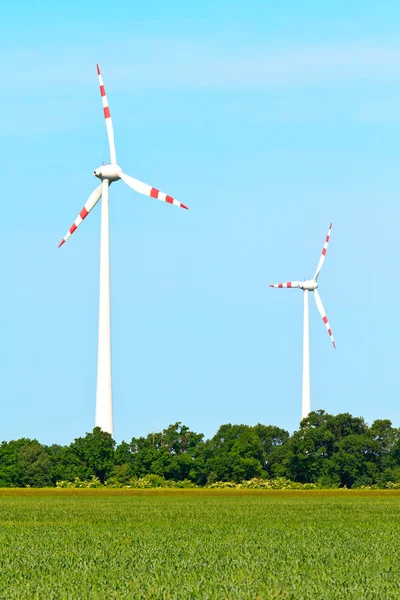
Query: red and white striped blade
point(287, 284)
point(323, 254)
point(107, 116)
point(321, 311)
point(92, 201)
point(147, 190)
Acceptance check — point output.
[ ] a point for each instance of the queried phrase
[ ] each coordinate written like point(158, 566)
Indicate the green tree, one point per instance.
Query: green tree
point(10, 467)
point(123, 464)
point(235, 453)
point(335, 450)
point(173, 453)
point(96, 454)
point(35, 465)
point(123, 454)
point(66, 464)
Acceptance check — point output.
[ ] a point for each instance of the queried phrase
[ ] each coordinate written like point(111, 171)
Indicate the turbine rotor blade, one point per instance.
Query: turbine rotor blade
point(321, 311)
point(91, 202)
point(323, 254)
point(147, 190)
point(107, 116)
point(287, 284)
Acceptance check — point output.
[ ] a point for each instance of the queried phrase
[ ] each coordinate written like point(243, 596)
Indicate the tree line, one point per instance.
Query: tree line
point(329, 450)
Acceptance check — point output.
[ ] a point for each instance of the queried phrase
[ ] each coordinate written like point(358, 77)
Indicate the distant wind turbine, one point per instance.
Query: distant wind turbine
point(108, 174)
point(310, 285)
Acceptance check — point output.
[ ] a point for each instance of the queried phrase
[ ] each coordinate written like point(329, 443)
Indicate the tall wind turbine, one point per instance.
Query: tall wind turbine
point(310, 285)
point(108, 174)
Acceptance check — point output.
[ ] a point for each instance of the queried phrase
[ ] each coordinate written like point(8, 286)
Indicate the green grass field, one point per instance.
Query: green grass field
point(199, 544)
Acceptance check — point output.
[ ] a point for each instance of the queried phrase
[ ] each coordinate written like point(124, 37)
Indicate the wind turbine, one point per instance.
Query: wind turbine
point(309, 285)
point(108, 174)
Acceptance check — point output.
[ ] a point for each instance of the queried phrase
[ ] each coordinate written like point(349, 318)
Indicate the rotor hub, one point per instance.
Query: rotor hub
point(310, 285)
point(110, 172)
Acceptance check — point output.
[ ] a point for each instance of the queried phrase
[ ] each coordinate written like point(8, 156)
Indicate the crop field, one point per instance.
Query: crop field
point(199, 544)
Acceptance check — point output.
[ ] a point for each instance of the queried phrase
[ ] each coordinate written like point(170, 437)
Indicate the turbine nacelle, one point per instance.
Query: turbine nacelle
point(310, 285)
point(111, 172)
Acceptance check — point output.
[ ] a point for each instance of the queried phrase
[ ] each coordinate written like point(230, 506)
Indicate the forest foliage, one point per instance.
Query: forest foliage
point(327, 450)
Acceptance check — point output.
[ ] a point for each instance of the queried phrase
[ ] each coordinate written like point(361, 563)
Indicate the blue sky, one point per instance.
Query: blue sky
point(269, 120)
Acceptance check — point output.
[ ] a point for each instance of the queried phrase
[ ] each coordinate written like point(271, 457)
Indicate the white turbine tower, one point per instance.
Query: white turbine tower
point(107, 175)
point(309, 285)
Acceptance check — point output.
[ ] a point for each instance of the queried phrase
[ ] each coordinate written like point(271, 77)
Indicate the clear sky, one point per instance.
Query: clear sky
point(269, 120)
